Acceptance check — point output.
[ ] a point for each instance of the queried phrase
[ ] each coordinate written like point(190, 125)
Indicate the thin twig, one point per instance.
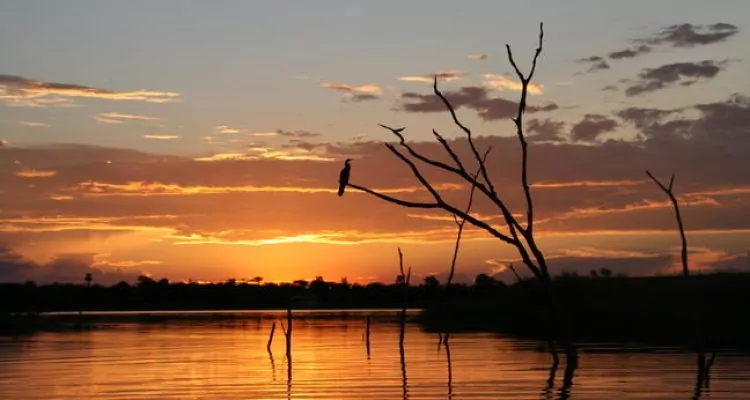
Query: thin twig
point(462, 222)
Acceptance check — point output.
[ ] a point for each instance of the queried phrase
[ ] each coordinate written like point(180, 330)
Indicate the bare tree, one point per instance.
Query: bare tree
point(518, 234)
point(703, 363)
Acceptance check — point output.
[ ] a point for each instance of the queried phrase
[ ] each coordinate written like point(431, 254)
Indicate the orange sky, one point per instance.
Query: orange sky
point(184, 182)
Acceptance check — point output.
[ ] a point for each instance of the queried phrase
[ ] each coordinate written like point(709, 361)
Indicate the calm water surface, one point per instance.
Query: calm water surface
point(228, 360)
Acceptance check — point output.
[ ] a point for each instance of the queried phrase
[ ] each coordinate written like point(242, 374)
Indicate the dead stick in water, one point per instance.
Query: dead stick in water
point(367, 336)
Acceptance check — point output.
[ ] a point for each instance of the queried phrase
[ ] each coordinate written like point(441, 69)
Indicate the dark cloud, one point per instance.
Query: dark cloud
point(609, 88)
point(299, 134)
point(357, 97)
point(64, 268)
point(630, 53)
point(644, 117)
point(737, 263)
point(683, 73)
point(472, 97)
point(689, 35)
point(591, 127)
point(597, 63)
point(545, 130)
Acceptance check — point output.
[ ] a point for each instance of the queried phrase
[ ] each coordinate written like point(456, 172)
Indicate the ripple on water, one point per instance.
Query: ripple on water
point(214, 360)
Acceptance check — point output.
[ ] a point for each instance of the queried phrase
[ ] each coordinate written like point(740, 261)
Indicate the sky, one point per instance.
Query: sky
point(203, 140)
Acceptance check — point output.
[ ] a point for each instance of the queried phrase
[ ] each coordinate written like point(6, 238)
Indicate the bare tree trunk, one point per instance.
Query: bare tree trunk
point(520, 236)
point(695, 291)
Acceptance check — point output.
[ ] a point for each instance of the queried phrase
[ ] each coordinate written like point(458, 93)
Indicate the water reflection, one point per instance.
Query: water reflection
point(228, 360)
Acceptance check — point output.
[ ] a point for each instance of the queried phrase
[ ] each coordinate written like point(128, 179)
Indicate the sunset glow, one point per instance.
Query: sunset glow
point(209, 147)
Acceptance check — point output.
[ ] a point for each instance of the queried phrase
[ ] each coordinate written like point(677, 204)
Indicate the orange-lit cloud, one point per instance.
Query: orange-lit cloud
point(161, 137)
point(166, 189)
point(369, 91)
point(31, 124)
point(502, 82)
point(27, 92)
point(119, 118)
point(445, 76)
point(556, 185)
point(32, 173)
point(227, 130)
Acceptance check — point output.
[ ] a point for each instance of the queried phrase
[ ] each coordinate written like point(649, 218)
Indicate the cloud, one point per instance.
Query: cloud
point(227, 130)
point(683, 73)
point(32, 173)
point(446, 76)
point(473, 97)
point(587, 194)
point(63, 268)
point(630, 52)
point(34, 124)
point(597, 63)
point(161, 137)
point(502, 82)
point(481, 56)
point(591, 127)
point(688, 35)
point(355, 93)
point(35, 93)
point(119, 118)
point(299, 134)
point(545, 130)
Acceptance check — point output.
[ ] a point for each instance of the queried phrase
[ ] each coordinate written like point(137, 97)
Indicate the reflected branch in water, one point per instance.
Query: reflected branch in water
point(445, 341)
point(403, 370)
point(273, 365)
point(550, 386)
point(703, 376)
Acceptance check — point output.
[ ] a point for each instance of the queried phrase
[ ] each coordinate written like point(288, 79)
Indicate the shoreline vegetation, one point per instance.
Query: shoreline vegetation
point(602, 307)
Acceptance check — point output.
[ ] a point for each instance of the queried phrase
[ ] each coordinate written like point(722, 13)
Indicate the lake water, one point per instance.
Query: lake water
point(214, 359)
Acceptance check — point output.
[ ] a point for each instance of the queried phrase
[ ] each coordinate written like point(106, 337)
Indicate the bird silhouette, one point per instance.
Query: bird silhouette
point(344, 176)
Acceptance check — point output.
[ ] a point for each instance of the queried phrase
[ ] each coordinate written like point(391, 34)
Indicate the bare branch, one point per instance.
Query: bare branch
point(449, 149)
point(463, 222)
point(403, 203)
point(463, 127)
point(663, 188)
point(401, 263)
point(518, 120)
point(417, 173)
point(668, 191)
point(513, 269)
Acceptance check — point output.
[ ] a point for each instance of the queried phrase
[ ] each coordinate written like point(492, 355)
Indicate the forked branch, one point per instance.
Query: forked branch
point(518, 121)
point(668, 191)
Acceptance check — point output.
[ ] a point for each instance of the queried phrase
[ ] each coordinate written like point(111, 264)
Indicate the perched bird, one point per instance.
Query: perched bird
point(344, 176)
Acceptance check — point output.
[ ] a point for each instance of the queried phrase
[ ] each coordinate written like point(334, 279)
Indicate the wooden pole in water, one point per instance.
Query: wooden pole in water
point(289, 332)
point(367, 336)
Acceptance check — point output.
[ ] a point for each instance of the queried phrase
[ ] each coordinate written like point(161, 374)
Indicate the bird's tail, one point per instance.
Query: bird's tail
point(341, 190)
